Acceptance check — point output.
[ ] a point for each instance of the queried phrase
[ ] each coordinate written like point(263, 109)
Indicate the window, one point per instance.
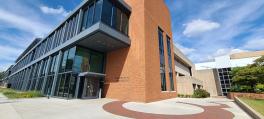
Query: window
point(70, 59)
point(116, 22)
point(162, 62)
point(96, 62)
point(81, 62)
point(107, 12)
point(90, 15)
point(87, 60)
point(53, 64)
point(124, 27)
point(97, 12)
point(170, 64)
point(64, 59)
point(84, 21)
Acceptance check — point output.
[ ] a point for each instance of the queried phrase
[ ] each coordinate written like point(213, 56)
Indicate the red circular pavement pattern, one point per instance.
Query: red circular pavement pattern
point(210, 112)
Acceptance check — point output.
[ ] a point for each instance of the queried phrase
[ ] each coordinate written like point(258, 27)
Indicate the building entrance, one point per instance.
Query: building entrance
point(89, 86)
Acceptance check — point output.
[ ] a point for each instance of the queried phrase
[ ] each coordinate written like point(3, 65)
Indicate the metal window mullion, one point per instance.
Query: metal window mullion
point(46, 75)
point(32, 78)
point(56, 73)
point(63, 32)
point(68, 31)
point(79, 21)
point(38, 75)
point(52, 40)
point(27, 78)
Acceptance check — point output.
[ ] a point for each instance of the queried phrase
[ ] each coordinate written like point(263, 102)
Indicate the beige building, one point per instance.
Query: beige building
point(185, 74)
point(216, 76)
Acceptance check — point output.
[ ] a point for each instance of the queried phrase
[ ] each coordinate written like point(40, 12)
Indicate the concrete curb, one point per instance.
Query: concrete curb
point(248, 109)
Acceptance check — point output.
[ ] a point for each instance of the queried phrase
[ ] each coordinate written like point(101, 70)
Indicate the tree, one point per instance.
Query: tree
point(250, 75)
point(258, 62)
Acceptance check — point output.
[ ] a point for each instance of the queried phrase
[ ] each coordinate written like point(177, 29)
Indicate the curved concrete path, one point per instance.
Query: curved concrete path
point(163, 108)
point(210, 112)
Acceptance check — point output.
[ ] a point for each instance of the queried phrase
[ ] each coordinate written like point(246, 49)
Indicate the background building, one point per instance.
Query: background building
point(119, 49)
point(185, 74)
point(216, 75)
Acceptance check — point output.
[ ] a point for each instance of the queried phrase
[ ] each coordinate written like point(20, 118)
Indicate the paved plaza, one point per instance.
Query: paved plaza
point(177, 108)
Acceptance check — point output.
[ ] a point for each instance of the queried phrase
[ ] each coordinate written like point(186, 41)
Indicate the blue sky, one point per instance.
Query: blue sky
point(202, 29)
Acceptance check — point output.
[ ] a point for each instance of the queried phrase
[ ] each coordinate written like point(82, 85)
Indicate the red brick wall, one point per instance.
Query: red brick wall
point(157, 15)
point(133, 74)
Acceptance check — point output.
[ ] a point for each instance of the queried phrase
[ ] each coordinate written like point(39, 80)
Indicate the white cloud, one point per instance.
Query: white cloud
point(227, 51)
point(199, 26)
point(4, 66)
point(17, 40)
point(23, 23)
point(55, 11)
point(9, 53)
point(236, 19)
point(184, 49)
point(256, 44)
point(205, 57)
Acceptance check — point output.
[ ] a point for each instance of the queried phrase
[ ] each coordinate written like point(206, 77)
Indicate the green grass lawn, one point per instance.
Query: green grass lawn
point(256, 104)
point(13, 94)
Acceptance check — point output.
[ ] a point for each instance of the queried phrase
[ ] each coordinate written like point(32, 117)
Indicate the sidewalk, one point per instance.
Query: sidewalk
point(6, 109)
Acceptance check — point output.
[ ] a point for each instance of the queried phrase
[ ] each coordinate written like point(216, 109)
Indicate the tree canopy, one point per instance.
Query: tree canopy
point(250, 75)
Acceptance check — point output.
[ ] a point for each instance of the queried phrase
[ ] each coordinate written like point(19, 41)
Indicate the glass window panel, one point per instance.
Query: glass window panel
point(90, 15)
point(116, 22)
point(162, 62)
point(98, 8)
point(70, 59)
point(163, 82)
point(56, 93)
point(63, 63)
point(81, 62)
point(124, 23)
point(66, 85)
point(73, 82)
point(61, 85)
point(96, 62)
point(107, 12)
point(84, 21)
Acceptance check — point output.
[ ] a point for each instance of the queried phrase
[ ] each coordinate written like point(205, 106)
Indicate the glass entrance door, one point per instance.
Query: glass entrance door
point(91, 87)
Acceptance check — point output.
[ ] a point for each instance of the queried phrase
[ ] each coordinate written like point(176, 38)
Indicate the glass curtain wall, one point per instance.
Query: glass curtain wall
point(51, 73)
point(107, 12)
point(74, 61)
point(225, 78)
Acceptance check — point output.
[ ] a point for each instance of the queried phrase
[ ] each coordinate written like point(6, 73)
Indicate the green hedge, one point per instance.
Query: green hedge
point(198, 93)
point(259, 88)
point(201, 93)
point(12, 94)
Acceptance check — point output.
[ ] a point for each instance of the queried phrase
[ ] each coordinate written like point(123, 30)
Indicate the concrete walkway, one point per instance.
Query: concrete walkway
point(6, 109)
point(54, 108)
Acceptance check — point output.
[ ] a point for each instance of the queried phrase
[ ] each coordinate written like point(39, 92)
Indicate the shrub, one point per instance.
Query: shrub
point(200, 93)
point(245, 88)
point(259, 88)
point(181, 95)
point(184, 96)
point(235, 88)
